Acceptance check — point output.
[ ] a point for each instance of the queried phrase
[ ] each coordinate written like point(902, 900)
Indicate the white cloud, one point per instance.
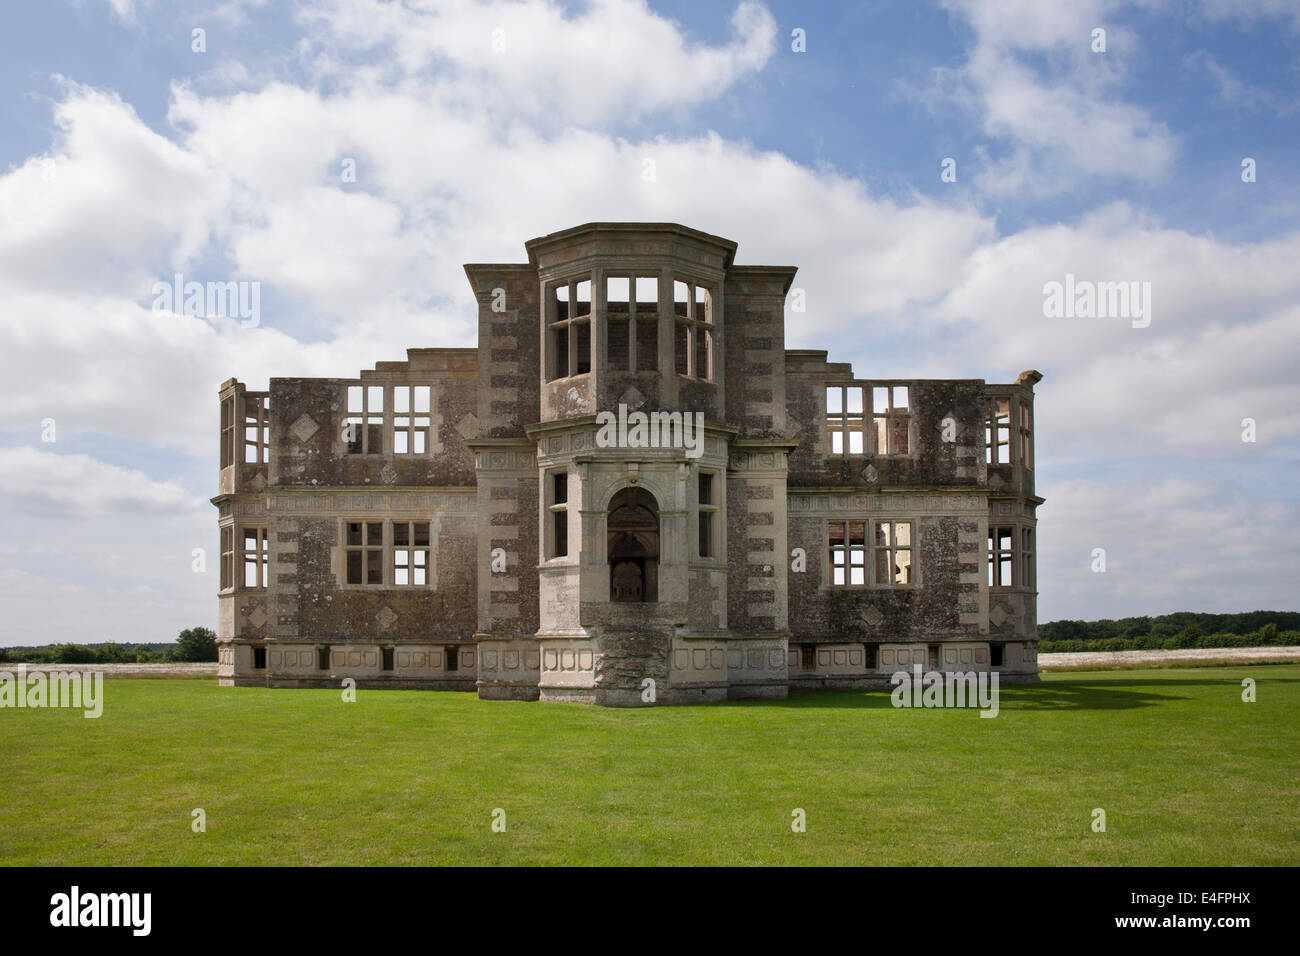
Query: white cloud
point(1170, 545)
point(79, 486)
point(1060, 118)
point(615, 60)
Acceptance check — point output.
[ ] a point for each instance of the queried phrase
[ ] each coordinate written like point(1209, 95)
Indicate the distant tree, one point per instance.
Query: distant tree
point(195, 644)
point(71, 654)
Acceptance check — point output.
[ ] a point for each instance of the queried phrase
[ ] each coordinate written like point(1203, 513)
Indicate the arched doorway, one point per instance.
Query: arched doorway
point(633, 539)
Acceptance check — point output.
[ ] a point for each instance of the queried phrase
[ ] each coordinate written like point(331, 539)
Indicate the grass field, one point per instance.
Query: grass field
point(1186, 772)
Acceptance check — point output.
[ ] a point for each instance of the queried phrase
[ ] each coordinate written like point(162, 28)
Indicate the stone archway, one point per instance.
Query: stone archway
point(633, 547)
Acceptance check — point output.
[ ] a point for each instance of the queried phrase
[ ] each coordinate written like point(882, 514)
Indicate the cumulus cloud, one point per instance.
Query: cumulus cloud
point(77, 485)
point(1049, 103)
point(615, 59)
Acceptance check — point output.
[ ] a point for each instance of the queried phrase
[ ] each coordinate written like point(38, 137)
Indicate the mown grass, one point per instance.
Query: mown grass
point(1187, 773)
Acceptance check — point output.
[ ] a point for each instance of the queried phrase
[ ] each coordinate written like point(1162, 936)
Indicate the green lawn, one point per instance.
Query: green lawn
point(1187, 774)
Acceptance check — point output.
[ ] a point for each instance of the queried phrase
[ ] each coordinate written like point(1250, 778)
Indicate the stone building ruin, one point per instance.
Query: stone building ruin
point(455, 520)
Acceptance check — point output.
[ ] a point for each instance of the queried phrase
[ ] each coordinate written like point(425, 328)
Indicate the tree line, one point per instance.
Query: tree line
point(1183, 629)
point(192, 645)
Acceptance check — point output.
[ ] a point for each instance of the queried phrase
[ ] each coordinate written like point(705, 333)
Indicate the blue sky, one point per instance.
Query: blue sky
point(125, 156)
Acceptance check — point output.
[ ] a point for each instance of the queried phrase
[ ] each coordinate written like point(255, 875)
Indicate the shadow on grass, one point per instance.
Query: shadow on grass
point(1057, 695)
point(1091, 693)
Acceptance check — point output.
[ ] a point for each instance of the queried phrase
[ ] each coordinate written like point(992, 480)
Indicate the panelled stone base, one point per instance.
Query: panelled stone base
point(362, 683)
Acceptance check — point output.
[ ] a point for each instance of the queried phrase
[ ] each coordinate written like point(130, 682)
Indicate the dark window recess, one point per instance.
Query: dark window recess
point(618, 345)
point(706, 508)
point(388, 658)
point(559, 514)
point(453, 658)
point(323, 658)
point(562, 353)
point(583, 331)
point(647, 344)
point(995, 655)
point(259, 658)
point(808, 656)
point(561, 519)
point(932, 657)
point(872, 651)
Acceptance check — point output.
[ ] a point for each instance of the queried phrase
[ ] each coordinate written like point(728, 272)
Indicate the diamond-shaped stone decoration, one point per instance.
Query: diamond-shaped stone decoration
point(997, 616)
point(304, 428)
point(388, 474)
point(385, 617)
point(467, 426)
point(257, 618)
point(870, 475)
point(872, 617)
point(632, 398)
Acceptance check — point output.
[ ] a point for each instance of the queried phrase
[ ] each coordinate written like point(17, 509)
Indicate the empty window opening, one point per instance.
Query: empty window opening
point(708, 515)
point(932, 656)
point(453, 658)
point(995, 655)
point(227, 558)
point(256, 550)
point(411, 553)
point(257, 429)
point(322, 658)
point(693, 330)
point(893, 552)
point(364, 427)
point(997, 432)
point(365, 552)
point(848, 553)
point(847, 417)
point(633, 546)
point(890, 419)
point(412, 419)
point(569, 329)
point(387, 653)
point(1000, 557)
point(844, 419)
point(559, 511)
point(1027, 576)
point(872, 656)
point(808, 657)
point(228, 432)
point(259, 658)
point(1026, 435)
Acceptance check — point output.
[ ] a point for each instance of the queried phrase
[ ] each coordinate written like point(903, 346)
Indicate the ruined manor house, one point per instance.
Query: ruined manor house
point(759, 519)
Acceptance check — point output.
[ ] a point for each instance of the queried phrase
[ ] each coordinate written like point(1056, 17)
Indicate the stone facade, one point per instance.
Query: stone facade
point(501, 518)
